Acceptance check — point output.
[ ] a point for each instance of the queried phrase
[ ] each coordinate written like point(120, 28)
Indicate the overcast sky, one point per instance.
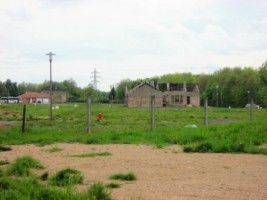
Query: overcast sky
point(128, 38)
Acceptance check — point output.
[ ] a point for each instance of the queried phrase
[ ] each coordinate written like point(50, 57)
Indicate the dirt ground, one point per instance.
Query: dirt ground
point(165, 173)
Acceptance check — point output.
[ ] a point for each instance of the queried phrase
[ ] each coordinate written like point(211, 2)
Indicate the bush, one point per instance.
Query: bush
point(66, 177)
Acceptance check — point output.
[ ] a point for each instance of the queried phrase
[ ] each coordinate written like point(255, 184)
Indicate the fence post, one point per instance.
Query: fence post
point(206, 111)
point(251, 109)
point(89, 114)
point(152, 105)
point(23, 118)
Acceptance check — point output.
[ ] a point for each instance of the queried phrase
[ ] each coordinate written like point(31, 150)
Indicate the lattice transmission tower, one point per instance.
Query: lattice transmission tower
point(95, 77)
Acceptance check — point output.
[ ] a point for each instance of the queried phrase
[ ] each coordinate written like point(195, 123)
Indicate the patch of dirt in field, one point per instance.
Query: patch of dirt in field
point(8, 123)
point(165, 173)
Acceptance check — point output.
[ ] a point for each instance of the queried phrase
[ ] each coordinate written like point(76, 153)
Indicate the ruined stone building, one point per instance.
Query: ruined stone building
point(58, 93)
point(140, 96)
point(167, 94)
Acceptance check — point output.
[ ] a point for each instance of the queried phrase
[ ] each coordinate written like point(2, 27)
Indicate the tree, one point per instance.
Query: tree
point(3, 90)
point(112, 93)
point(263, 79)
point(12, 89)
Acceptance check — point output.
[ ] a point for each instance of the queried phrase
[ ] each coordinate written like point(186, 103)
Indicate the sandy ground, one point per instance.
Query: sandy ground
point(162, 173)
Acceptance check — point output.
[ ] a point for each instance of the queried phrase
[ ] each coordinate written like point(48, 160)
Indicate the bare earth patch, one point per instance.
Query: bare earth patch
point(161, 173)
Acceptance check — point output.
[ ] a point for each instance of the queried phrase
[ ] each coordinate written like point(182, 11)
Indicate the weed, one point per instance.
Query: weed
point(123, 177)
point(54, 149)
point(92, 154)
point(98, 191)
point(2, 148)
point(22, 166)
point(66, 177)
point(44, 176)
point(113, 185)
point(4, 162)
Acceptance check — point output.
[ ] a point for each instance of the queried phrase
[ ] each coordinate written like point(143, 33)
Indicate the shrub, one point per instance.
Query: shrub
point(66, 177)
point(98, 191)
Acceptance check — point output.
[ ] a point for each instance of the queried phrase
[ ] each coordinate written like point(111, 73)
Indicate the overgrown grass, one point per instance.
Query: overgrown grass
point(113, 185)
point(92, 155)
point(12, 188)
point(4, 162)
point(55, 149)
point(67, 177)
point(124, 177)
point(98, 191)
point(3, 148)
point(30, 187)
point(22, 166)
point(122, 125)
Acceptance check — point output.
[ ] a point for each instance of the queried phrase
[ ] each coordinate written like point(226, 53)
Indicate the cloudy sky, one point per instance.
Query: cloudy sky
point(128, 38)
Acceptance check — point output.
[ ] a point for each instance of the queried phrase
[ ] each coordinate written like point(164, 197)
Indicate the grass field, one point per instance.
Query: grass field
point(121, 125)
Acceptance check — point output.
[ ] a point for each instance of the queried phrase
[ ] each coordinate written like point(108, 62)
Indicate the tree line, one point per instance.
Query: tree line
point(233, 87)
point(226, 87)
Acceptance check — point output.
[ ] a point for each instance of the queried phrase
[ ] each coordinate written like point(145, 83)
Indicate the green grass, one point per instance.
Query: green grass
point(124, 177)
point(66, 177)
point(3, 148)
point(54, 149)
point(91, 155)
point(123, 125)
point(4, 162)
point(22, 166)
point(98, 191)
point(113, 185)
point(11, 188)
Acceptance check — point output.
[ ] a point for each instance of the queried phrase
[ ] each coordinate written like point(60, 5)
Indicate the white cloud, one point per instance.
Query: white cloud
point(127, 39)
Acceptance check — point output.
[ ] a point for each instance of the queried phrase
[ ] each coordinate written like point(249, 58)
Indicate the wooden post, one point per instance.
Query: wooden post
point(206, 111)
point(89, 114)
point(251, 108)
point(152, 112)
point(23, 118)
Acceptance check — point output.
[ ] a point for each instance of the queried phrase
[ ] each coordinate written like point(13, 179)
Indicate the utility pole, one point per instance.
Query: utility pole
point(95, 77)
point(50, 54)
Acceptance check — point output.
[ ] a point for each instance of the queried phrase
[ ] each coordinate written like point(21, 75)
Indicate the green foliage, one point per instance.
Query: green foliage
point(44, 176)
point(92, 154)
point(30, 188)
point(3, 148)
point(4, 162)
point(66, 177)
point(54, 149)
point(22, 166)
point(124, 177)
point(98, 191)
point(113, 185)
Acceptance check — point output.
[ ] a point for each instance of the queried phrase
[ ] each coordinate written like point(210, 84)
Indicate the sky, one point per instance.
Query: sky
point(128, 39)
